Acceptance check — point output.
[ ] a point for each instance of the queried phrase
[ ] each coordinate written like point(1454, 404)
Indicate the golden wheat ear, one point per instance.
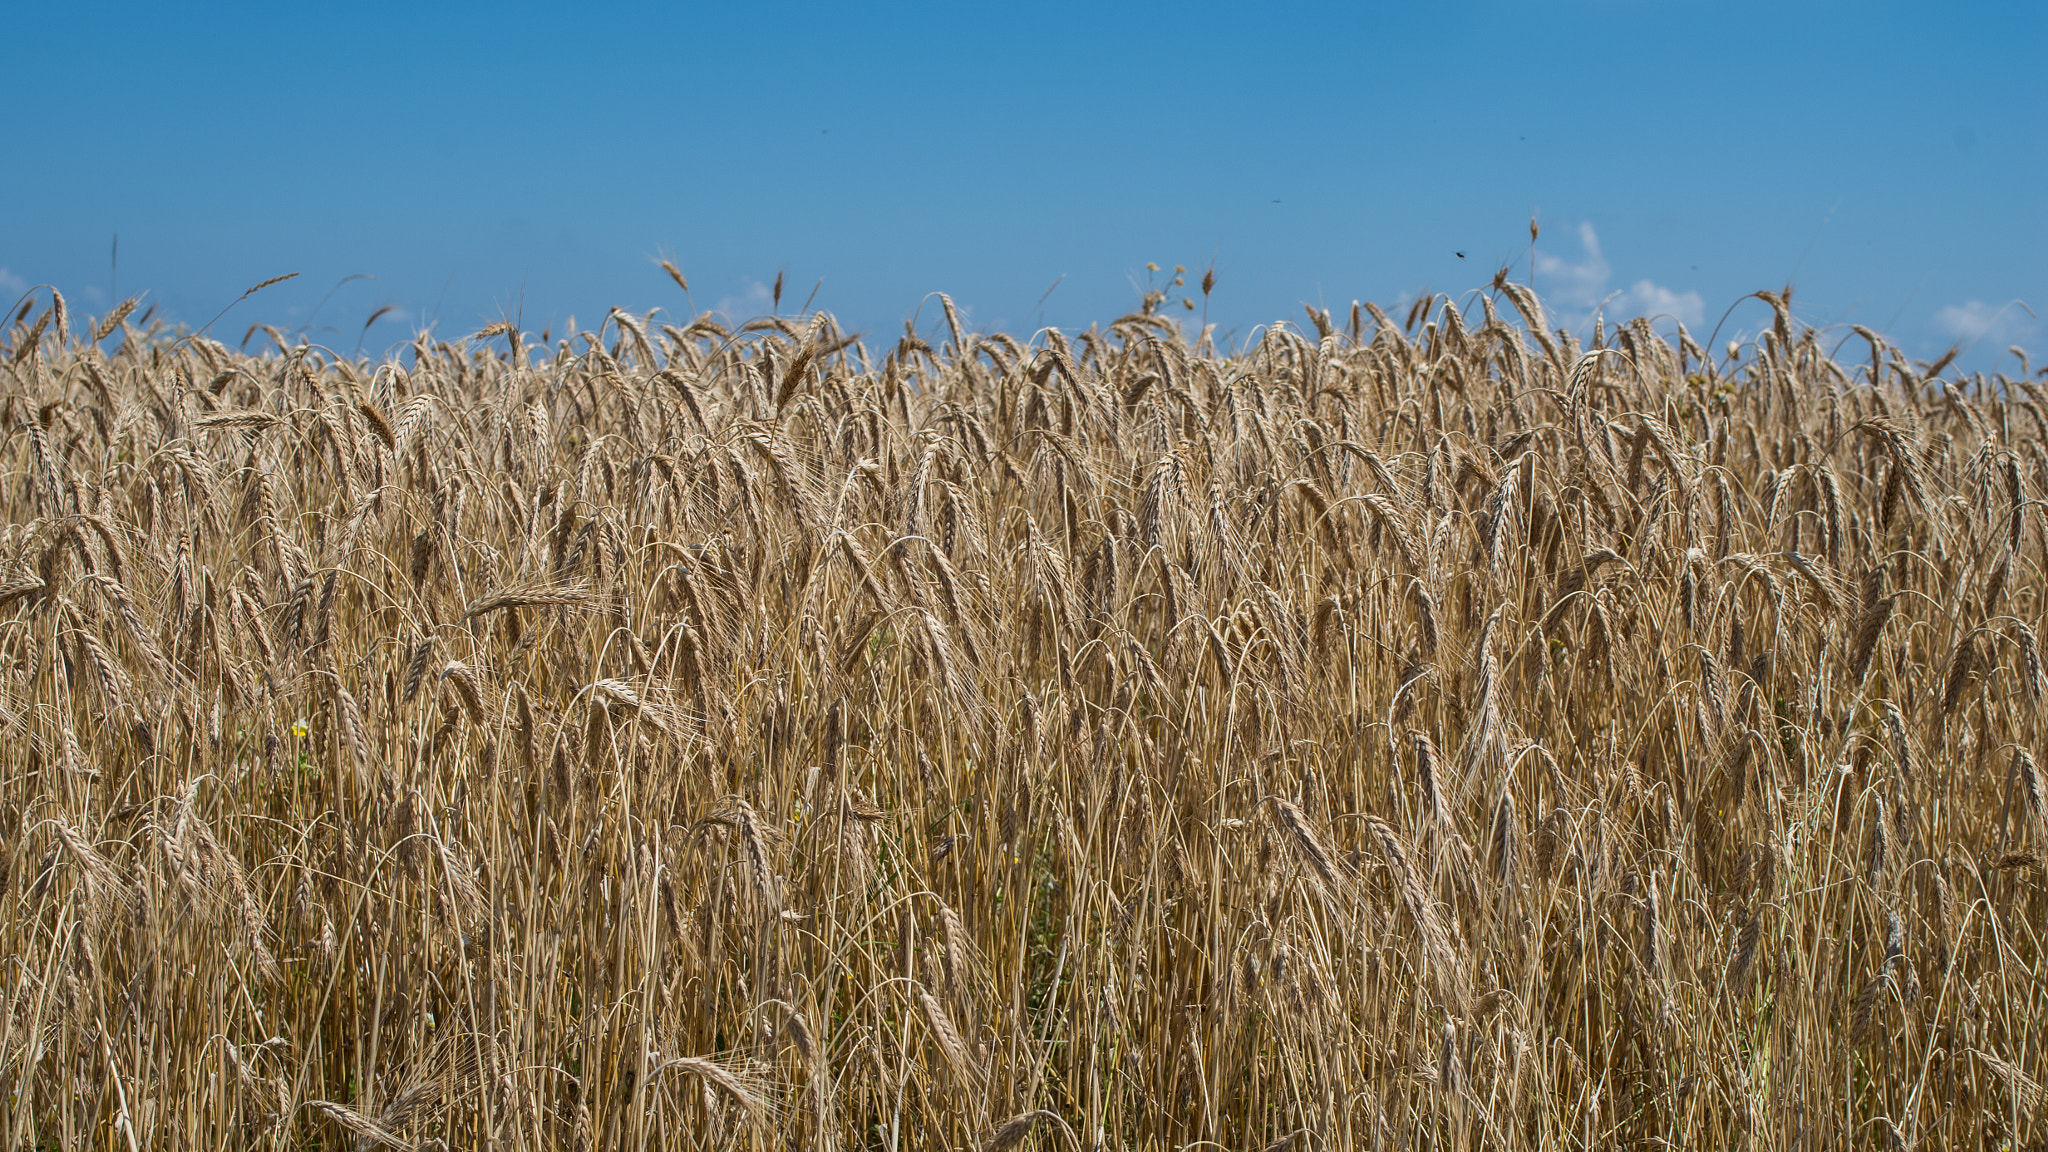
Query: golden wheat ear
point(1373, 730)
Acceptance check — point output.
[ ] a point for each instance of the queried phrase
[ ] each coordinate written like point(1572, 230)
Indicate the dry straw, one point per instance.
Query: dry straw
point(1440, 728)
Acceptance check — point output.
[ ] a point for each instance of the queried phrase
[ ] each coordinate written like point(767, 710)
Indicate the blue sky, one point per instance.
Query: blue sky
point(510, 160)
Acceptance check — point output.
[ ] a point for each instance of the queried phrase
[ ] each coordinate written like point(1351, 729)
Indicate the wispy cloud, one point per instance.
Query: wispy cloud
point(10, 284)
point(1975, 320)
point(753, 299)
point(1577, 284)
point(1647, 298)
point(1575, 289)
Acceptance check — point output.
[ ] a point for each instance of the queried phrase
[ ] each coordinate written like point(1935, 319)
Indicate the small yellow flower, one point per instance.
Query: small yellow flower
point(300, 728)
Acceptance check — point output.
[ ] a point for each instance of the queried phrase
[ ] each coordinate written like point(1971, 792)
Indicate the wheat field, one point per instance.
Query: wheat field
point(1425, 733)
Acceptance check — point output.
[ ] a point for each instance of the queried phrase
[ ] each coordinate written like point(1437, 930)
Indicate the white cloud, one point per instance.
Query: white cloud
point(1975, 320)
point(1645, 298)
point(753, 299)
point(1575, 289)
point(1575, 285)
point(10, 284)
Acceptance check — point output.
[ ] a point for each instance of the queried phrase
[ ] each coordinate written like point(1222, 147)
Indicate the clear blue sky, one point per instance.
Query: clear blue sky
point(1891, 160)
